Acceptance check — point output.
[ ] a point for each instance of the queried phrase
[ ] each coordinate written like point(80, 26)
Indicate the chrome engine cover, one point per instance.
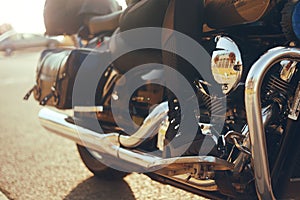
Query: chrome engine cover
point(226, 63)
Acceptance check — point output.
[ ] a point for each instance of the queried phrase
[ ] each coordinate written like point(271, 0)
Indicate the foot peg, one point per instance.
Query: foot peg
point(200, 167)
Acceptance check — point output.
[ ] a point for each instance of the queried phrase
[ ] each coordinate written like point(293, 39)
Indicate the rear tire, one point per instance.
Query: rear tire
point(96, 167)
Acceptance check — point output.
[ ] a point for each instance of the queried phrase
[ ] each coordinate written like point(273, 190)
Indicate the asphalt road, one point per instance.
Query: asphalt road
point(35, 164)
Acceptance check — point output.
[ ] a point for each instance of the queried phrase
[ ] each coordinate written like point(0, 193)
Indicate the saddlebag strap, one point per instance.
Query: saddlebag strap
point(46, 99)
point(53, 94)
point(27, 95)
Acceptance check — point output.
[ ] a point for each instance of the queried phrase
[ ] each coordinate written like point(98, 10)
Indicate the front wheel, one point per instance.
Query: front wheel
point(96, 167)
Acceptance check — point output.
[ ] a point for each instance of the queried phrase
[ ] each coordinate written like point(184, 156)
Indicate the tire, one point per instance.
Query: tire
point(99, 169)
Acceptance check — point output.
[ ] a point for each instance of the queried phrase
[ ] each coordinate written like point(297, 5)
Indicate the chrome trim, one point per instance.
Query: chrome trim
point(226, 63)
point(209, 130)
point(254, 116)
point(161, 136)
point(206, 185)
point(58, 123)
point(240, 161)
point(288, 70)
point(88, 109)
point(149, 127)
point(295, 108)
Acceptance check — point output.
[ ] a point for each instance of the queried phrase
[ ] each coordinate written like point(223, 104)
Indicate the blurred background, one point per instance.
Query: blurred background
point(22, 27)
point(24, 16)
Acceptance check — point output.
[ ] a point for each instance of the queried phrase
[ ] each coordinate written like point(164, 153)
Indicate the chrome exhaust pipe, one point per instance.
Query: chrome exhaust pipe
point(254, 116)
point(149, 127)
point(109, 144)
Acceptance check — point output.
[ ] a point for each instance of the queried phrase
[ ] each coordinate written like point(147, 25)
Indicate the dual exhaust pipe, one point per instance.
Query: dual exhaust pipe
point(120, 146)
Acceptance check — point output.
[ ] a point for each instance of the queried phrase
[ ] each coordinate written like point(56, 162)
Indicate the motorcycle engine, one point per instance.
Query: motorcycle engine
point(281, 87)
point(278, 90)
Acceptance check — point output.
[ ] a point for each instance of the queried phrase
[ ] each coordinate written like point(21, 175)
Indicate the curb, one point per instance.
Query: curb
point(2, 196)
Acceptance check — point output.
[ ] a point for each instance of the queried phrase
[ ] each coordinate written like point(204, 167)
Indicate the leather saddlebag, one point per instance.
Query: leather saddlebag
point(55, 76)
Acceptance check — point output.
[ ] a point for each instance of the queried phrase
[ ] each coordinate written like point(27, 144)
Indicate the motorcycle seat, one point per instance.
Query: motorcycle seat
point(98, 24)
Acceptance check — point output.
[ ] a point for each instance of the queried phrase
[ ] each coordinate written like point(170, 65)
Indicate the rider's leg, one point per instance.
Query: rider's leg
point(185, 17)
point(146, 13)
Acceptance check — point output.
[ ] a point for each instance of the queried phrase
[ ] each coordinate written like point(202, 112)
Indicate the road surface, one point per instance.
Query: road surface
point(35, 164)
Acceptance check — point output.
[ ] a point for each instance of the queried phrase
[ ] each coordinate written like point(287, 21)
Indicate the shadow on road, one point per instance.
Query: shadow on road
point(95, 189)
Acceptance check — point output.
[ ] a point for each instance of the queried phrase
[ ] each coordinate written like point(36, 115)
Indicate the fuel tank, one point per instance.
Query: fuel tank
point(225, 13)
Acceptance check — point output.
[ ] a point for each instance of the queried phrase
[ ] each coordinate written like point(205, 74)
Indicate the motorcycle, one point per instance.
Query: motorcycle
point(254, 60)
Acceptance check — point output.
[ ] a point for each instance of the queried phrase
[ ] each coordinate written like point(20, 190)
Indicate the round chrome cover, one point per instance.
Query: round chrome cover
point(226, 63)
